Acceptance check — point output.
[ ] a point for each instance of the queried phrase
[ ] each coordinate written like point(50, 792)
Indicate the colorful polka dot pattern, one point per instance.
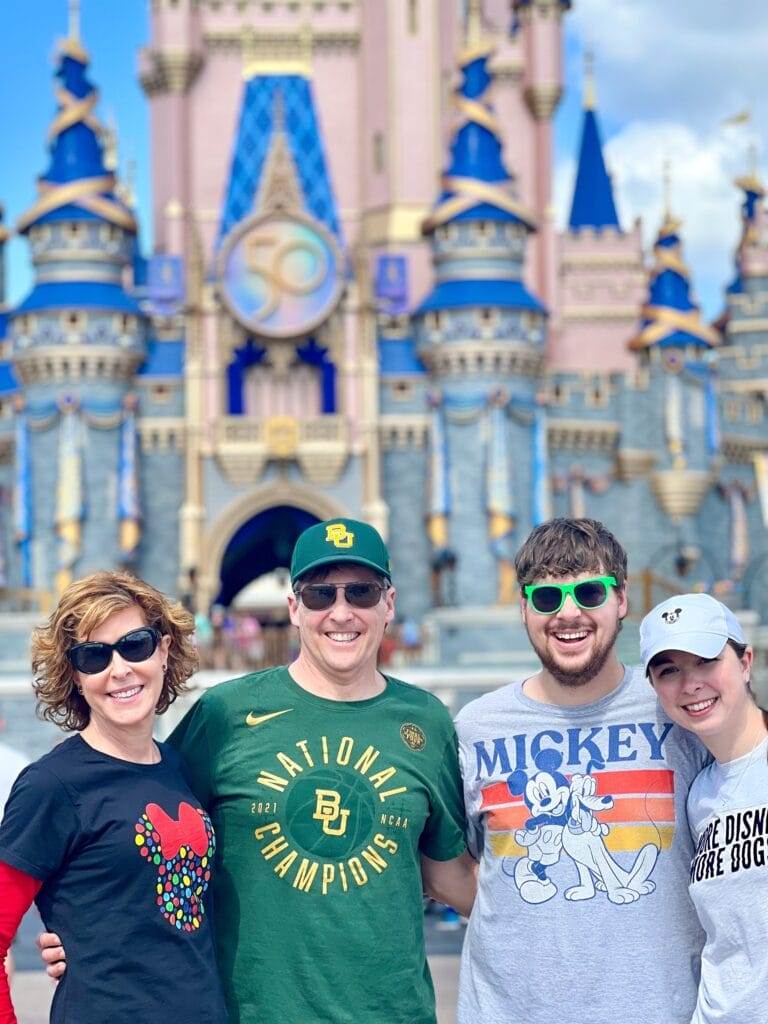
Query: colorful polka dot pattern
point(181, 881)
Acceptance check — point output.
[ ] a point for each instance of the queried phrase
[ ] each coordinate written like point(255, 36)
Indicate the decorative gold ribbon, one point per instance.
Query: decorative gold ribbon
point(665, 320)
point(72, 111)
point(470, 192)
point(87, 192)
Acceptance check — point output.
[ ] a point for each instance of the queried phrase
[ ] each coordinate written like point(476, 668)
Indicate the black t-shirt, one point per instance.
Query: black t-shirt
point(124, 853)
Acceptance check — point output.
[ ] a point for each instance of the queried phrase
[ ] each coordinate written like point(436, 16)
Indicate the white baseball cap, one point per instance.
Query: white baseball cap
point(694, 623)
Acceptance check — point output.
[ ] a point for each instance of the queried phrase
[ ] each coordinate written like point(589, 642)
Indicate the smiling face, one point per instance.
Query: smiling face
point(123, 697)
point(341, 643)
point(709, 696)
point(575, 643)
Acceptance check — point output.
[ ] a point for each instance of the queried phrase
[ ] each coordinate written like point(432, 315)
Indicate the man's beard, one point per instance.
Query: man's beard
point(578, 677)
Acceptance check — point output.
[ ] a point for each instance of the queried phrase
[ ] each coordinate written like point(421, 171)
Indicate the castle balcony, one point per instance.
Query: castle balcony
point(320, 446)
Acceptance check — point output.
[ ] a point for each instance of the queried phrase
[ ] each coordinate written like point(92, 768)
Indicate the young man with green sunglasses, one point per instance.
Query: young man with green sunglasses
point(575, 784)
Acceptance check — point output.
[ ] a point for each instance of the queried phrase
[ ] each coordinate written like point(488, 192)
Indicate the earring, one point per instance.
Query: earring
point(79, 689)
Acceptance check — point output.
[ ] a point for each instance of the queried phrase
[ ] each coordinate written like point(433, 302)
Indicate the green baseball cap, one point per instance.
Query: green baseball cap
point(339, 540)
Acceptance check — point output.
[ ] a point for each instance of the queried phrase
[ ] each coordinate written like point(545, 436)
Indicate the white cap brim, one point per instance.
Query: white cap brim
point(705, 645)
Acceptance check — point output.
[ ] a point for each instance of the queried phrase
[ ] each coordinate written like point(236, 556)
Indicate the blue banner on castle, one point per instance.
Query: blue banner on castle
point(166, 283)
point(391, 284)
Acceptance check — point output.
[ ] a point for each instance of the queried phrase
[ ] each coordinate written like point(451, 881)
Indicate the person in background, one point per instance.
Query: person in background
point(700, 665)
point(103, 832)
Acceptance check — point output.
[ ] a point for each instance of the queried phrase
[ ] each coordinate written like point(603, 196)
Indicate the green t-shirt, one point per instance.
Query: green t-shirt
point(322, 809)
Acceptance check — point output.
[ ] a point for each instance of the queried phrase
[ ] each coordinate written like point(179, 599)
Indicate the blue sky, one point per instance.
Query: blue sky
point(667, 75)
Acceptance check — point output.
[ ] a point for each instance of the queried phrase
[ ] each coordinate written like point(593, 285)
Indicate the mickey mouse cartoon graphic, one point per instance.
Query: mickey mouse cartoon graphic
point(564, 820)
point(546, 796)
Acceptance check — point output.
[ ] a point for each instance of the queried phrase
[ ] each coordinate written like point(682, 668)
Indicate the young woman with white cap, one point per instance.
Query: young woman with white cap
point(697, 658)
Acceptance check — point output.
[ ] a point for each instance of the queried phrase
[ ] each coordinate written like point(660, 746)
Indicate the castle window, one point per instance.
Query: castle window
point(402, 390)
point(378, 152)
point(731, 409)
point(560, 393)
point(73, 321)
point(755, 410)
point(160, 393)
point(413, 16)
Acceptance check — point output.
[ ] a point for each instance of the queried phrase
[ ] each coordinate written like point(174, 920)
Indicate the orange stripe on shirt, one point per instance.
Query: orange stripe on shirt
point(656, 781)
point(660, 810)
point(621, 839)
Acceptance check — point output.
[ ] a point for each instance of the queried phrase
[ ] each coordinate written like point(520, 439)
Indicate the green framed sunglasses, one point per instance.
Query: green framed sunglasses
point(548, 598)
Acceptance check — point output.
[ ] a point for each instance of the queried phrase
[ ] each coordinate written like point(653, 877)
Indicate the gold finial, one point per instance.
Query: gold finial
point(474, 27)
point(670, 224)
point(666, 177)
point(590, 93)
point(751, 182)
point(74, 20)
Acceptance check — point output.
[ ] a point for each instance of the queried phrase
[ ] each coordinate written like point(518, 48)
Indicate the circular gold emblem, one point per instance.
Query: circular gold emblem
point(280, 274)
point(413, 736)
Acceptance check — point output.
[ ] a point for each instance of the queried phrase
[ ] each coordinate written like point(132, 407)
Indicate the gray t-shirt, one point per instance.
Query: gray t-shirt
point(728, 813)
point(577, 815)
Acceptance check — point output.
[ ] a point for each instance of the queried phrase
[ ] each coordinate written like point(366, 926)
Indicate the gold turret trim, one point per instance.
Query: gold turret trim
point(680, 492)
point(170, 70)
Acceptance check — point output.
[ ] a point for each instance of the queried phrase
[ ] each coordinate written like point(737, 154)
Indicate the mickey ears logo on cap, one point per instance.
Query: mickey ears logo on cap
point(338, 535)
point(671, 617)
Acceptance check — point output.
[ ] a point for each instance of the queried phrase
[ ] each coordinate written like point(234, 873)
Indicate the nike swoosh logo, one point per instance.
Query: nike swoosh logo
point(252, 719)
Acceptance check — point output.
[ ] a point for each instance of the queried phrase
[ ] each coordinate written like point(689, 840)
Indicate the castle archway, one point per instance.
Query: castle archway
point(255, 535)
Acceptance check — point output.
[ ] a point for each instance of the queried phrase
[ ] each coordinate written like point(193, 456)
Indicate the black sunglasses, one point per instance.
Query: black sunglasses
point(92, 656)
point(320, 596)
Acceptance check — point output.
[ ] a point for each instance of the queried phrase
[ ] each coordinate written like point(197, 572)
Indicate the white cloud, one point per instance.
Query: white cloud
point(670, 73)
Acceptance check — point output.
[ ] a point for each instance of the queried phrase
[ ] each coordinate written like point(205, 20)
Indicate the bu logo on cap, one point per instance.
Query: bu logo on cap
point(338, 535)
point(671, 617)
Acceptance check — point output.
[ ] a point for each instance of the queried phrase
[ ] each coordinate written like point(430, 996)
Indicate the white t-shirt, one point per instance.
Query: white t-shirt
point(728, 814)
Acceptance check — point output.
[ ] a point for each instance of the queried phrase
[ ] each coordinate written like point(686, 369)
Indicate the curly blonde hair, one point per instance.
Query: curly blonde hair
point(83, 607)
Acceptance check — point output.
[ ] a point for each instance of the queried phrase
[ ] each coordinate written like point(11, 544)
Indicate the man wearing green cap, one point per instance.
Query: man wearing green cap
point(335, 795)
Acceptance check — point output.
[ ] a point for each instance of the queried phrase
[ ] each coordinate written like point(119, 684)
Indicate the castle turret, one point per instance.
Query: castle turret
point(670, 415)
point(601, 269)
point(539, 23)
point(76, 339)
point(480, 332)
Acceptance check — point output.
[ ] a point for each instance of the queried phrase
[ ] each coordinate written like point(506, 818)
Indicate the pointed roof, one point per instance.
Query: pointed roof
point(670, 317)
point(76, 185)
point(278, 119)
point(751, 215)
point(477, 185)
point(593, 204)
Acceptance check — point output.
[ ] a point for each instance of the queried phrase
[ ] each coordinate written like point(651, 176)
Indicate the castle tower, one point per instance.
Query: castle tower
point(480, 333)
point(742, 367)
point(539, 25)
point(670, 434)
point(76, 341)
point(601, 267)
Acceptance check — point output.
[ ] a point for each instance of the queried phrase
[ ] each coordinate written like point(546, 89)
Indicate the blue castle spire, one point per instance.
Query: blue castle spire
point(670, 317)
point(593, 204)
point(482, 265)
point(76, 185)
point(754, 191)
point(477, 185)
